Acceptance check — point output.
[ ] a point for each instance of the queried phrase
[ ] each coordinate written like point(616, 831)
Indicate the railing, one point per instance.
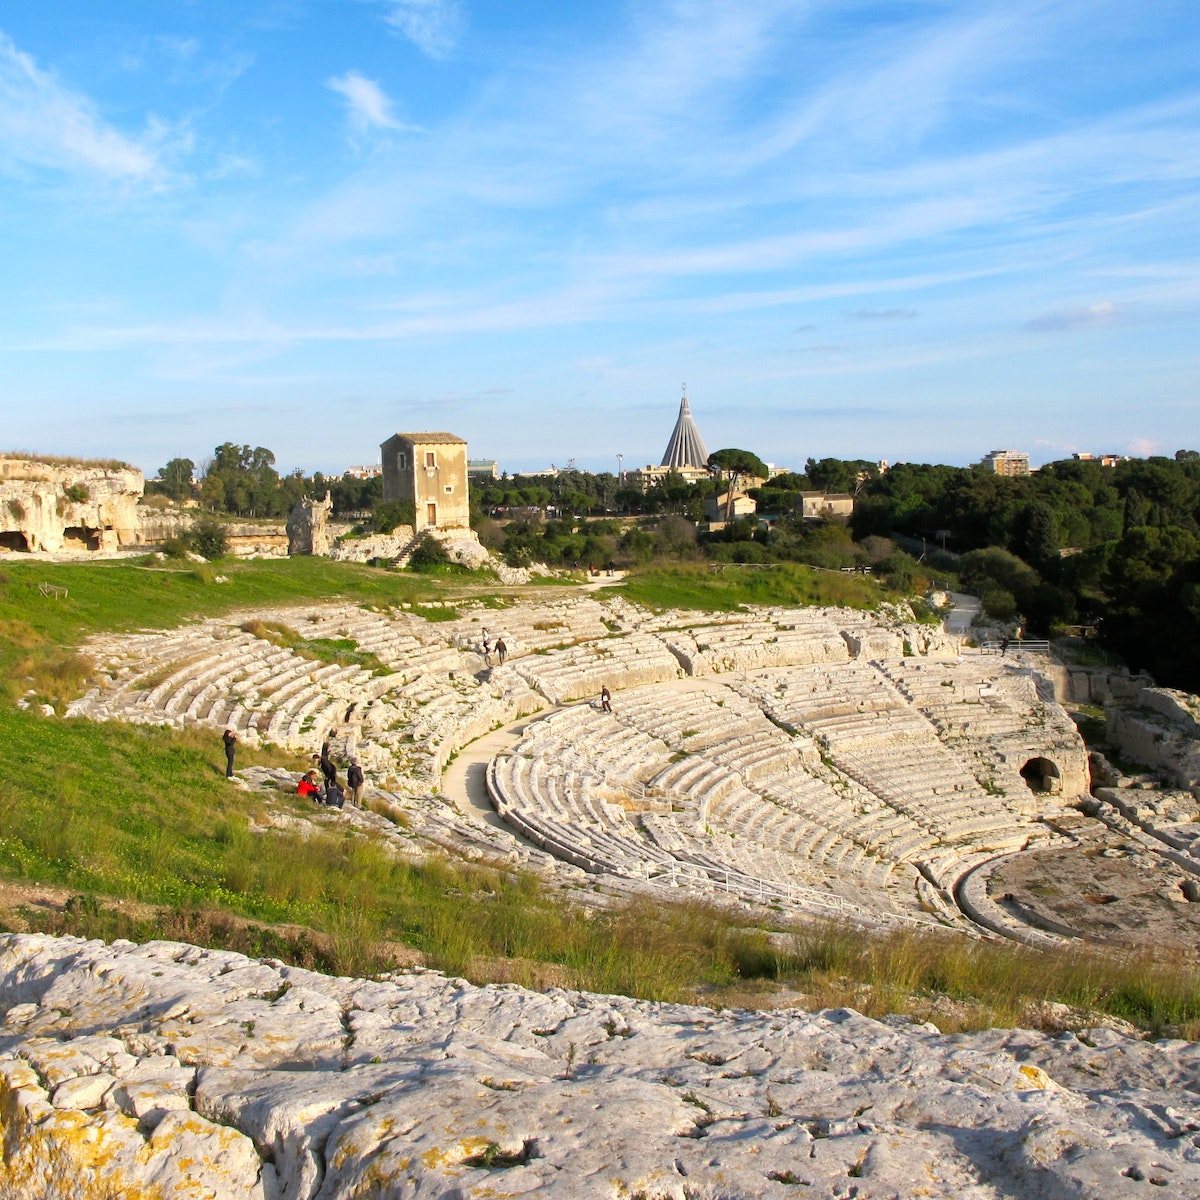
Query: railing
point(1015, 646)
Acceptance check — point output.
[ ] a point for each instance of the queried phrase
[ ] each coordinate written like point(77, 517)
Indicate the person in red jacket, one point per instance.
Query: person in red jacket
point(308, 786)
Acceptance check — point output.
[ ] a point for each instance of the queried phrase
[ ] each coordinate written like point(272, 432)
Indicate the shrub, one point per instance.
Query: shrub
point(77, 493)
point(429, 555)
point(209, 537)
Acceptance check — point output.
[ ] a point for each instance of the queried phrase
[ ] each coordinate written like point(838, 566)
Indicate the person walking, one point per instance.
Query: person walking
point(229, 738)
point(501, 650)
point(487, 648)
point(355, 781)
point(605, 700)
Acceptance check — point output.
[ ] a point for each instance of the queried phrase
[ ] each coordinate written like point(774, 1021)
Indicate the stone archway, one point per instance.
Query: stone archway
point(14, 540)
point(1043, 776)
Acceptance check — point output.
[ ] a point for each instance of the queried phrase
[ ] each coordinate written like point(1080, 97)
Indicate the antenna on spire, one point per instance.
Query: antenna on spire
point(685, 389)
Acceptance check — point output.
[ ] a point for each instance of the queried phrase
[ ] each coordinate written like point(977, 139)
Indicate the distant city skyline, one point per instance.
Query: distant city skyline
point(906, 230)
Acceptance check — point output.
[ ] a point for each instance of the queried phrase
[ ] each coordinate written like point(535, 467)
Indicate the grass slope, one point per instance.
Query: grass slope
point(697, 586)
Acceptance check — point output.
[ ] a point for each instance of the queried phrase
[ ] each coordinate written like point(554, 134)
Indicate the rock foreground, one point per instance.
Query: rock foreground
point(167, 1070)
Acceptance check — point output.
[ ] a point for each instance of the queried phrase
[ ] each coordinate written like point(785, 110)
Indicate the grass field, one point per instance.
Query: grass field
point(697, 586)
point(144, 816)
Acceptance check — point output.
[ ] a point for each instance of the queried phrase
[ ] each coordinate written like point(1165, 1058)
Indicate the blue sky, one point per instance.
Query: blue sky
point(916, 230)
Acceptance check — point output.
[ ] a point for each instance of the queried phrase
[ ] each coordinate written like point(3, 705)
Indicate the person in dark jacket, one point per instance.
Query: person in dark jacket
point(355, 781)
point(229, 738)
point(328, 766)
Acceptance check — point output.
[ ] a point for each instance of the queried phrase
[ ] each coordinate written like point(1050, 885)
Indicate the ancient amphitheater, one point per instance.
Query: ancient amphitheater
point(814, 760)
point(798, 761)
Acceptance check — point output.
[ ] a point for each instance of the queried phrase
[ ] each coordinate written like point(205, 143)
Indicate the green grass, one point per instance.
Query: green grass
point(342, 651)
point(695, 586)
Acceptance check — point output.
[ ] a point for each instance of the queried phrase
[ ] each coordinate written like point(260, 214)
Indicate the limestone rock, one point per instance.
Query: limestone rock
point(308, 526)
point(378, 545)
point(65, 507)
point(432, 1087)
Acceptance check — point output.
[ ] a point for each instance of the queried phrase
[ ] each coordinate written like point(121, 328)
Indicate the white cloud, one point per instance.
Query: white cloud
point(1060, 319)
point(433, 26)
point(44, 123)
point(367, 104)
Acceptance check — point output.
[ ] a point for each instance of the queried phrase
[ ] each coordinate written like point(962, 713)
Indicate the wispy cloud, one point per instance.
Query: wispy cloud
point(1062, 319)
point(881, 314)
point(367, 104)
point(433, 26)
point(46, 124)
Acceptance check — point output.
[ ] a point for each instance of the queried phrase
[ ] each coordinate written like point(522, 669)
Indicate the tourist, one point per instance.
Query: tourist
point(307, 786)
point(605, 700)
point(355, 781)
point(335, 797)
point(487, 648)
point(1004, 645)
point(501, 650)
point(328, 766)
point(230, 740)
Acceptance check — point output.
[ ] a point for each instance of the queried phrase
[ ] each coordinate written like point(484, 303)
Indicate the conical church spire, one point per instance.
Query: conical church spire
point(686, 447)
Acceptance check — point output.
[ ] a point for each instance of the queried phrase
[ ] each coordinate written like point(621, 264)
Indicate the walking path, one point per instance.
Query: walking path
point(966, 609)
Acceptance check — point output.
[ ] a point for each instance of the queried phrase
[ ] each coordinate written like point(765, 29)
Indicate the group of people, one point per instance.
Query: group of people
point(486, 648)
point(331, 791)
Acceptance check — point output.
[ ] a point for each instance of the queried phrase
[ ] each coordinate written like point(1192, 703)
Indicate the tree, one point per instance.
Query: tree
point(175, 479)
point(735, 462)
point(736, 465)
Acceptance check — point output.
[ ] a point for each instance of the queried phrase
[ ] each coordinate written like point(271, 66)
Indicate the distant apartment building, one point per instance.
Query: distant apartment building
point(650, 476)
point(430, 471)
point(1105, 460)
point(364, 472)
point(483, 468)
point(1006, 462)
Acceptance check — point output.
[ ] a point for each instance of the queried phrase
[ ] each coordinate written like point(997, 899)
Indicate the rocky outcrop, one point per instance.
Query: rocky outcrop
point(165, 1070)
point(308, 526)
point(63, 506)
point(387, 546)
point(1160, 728)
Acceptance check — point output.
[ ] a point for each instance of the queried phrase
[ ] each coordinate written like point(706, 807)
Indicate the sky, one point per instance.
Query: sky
point(885, 229)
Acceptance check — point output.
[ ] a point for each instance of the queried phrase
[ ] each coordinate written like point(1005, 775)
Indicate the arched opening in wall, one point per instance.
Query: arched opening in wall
point(1043, 776)
point(78, 537)
point(14, 541)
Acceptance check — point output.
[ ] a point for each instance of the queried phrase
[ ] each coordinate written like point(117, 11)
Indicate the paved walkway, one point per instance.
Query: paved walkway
point(966, 609)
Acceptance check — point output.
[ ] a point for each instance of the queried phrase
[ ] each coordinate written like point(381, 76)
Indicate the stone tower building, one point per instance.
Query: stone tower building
point(430, 471)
